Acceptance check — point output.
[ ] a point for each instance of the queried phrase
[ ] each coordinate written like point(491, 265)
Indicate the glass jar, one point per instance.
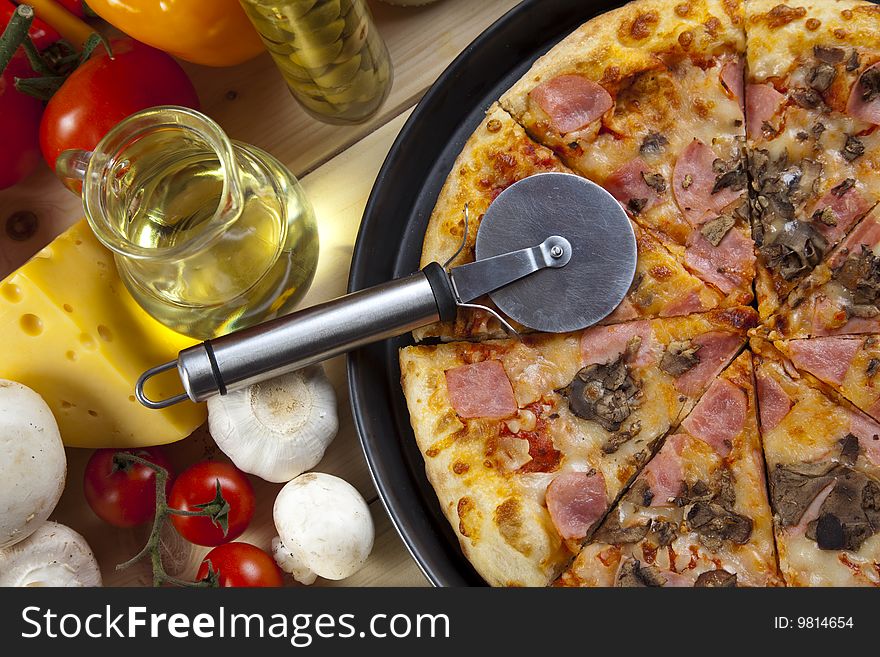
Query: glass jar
point(210, 235)
point(330, 54)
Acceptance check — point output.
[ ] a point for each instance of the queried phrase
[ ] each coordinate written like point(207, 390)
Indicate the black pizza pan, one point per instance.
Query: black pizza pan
point(389, 246)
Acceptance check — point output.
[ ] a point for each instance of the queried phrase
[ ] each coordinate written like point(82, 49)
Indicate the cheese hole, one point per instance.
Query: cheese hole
point(93, 413)
point(65, 404)
point(67, 308)
point(131, 398)
point(87, 341)
point(105, 333)
point(71, 355)
point(11, 292)
point(31, 324)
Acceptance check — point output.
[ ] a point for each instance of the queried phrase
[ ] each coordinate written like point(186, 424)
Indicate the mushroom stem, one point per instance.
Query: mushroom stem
point(152, 546)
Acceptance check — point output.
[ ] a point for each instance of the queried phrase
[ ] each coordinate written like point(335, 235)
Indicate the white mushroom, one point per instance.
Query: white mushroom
point(32, 462)
point(324, 528)
point(54, 555)
point(276, 429)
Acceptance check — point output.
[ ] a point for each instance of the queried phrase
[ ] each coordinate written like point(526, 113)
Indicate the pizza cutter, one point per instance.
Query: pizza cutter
point(554, 252)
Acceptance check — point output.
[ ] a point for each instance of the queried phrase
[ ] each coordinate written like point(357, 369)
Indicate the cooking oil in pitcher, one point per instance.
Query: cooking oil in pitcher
point(210, 235)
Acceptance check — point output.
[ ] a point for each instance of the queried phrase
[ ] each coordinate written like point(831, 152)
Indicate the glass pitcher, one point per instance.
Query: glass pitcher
point(210, 235)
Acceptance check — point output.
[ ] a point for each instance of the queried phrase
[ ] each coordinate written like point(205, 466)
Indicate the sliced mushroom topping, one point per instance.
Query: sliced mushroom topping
point(633, 573)
point(636, 205)
point(665, 532)
point(692, 493)
point(623, 436)
point(716, 579)
point(639, 494)
point(653, 143)
point(849, 449)
point(844, 187)
point(869, 83)
point(853, 62)
point(827, 55)
point(655, 181)
point(717, 228)
point(822, 76)
point(797, 249)
point(714, 524)
point(849, 515)
point(852, 149)
point(794, 487)
point(606, 394)
point(860, 274)
point(680, 357)
point(873, 367)
point(807, 98)
point(612, 533)
point(732, 177)
point(817, 129)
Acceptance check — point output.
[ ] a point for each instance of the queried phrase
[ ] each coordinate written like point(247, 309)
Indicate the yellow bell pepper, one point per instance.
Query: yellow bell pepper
point(210, 32)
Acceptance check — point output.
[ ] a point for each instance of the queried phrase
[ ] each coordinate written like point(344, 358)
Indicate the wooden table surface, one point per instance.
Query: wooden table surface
point(337, 166)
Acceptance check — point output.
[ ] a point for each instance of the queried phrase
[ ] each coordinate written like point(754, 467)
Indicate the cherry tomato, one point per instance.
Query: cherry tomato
point(241, 564)
point(105, 90)
point(40, 32)
point(123, 495)
point(196, 487)
point(20, 126)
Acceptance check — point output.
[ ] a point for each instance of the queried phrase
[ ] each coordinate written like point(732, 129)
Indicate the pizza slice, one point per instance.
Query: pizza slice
point(697, 514)
point(646, 100)
point(823, 463)
point(812, 106)
point(528, 441)
point(500, 153)
point(841, 296)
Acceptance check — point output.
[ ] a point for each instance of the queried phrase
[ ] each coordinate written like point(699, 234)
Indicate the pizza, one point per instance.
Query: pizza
point(500, 153)
point(741, 139)
point(698, 513)
point(528, 441)
point(823, 463)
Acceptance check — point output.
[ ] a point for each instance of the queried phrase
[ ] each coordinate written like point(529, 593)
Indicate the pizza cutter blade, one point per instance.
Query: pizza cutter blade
point(554, 252)
point(603, 257)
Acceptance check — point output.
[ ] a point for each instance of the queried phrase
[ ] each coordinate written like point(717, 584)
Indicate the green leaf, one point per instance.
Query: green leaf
point(217, 510)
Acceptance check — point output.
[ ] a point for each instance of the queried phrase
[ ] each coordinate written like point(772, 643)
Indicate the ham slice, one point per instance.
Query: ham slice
point(861, 109)
point(571, 101)
point(604, 344)
point(719, 417)
point(628, 186)
point(727, 266)
point(481, 390)
point(812, 511)
point(693, 180)
point(868, 433)
point(826, 358)
point(827, 317)
point(624, 312)
point(762, 104)
point(576, 500)
point(867, 233)
point(664, 473)
point(716, 350)
point(847, 208)
point(773, 403)
point(685, 305)
point(732, 76)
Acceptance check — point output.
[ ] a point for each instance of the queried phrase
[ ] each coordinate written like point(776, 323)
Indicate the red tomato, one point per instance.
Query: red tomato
point(103, 91)
point(124, 496)
point(20, 127)
point(197, 485)
point(40, 32)
point(241, 564)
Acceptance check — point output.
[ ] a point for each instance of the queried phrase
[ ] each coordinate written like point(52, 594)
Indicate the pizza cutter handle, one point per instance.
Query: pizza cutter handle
point(308, 336)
